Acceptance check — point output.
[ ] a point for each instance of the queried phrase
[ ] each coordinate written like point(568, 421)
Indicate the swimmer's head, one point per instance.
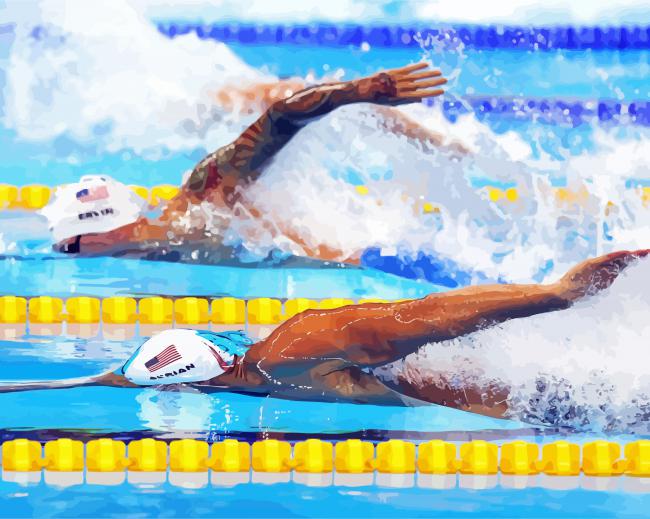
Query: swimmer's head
point(95, 204)
point(177, 356)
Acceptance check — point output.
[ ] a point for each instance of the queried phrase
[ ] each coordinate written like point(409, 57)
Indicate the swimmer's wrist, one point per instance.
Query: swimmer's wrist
point(375, 88)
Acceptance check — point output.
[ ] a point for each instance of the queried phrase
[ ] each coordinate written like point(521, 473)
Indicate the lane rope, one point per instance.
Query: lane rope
point(473, 36)
point(353, 462)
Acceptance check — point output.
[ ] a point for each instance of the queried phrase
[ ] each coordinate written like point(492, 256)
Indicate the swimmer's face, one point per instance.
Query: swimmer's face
point(98, 244)
point(69, 246)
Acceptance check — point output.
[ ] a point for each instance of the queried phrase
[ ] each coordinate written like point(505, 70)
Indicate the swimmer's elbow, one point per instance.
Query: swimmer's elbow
point(197, 180)
point(206, 174)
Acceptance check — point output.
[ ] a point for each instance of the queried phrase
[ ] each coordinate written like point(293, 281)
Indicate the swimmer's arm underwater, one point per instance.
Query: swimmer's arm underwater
point(243, 158)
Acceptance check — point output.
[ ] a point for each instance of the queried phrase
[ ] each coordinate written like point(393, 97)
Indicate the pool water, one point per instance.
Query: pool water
point(581, 76)
point(126, 414)
point(531, 240)
point(292, 500)
point(104, 277)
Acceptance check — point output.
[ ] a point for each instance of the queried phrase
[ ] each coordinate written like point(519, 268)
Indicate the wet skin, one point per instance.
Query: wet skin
point(326, 355)
point(223, 176)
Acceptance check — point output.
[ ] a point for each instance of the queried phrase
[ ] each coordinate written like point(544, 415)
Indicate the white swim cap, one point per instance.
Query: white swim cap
point(95, 204)
point(174, 356)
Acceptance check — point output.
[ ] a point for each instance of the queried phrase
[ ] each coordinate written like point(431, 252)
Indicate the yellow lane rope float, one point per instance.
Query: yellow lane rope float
point(354, 456)
point(160, 310)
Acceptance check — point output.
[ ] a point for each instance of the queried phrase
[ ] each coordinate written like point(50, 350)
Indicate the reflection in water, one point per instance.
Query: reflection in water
point(179, 409)
point(48, 349)
point(186, 409)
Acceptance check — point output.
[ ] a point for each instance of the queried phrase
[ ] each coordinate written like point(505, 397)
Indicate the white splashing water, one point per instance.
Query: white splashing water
point(531, 239)
point(378, 11)
point(102, 72)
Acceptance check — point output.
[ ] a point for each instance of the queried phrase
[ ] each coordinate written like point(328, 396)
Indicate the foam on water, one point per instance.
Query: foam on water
point(468, 11)
point(531, 239)
point(103, 73)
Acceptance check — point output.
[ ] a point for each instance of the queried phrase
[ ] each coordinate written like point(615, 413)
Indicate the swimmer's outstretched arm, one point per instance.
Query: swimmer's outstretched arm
point(106, 379)
point(371, 335)
point(243, 158)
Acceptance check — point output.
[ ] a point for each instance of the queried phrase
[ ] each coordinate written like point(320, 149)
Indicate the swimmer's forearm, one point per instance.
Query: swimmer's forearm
point(464, 311)
point(107, 379)
point(317, 101)
point(408, 326)
point(16, 387)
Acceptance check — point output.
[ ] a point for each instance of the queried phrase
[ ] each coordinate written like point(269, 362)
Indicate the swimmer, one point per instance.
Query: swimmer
point(221, 179)
point(329, 355)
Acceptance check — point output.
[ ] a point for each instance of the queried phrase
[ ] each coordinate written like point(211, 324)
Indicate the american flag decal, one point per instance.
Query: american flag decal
point(90, 194)
point(164, 358)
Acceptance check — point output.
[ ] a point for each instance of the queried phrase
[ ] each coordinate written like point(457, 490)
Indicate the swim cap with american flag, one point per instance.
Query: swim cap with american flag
point(174, 356)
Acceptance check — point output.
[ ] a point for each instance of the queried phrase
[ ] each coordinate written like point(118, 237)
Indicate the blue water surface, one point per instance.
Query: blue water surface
point(293, 500)
point(126, 414)
point(91, 412)
point(63, 276)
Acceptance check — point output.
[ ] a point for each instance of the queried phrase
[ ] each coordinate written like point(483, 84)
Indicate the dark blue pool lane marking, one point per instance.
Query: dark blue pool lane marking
point(435, 269)
point(551, 111)
point(478, 37)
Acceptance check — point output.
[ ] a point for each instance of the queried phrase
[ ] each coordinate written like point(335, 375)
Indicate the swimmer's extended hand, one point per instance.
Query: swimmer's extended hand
point(594, 275)
point(408, 84)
